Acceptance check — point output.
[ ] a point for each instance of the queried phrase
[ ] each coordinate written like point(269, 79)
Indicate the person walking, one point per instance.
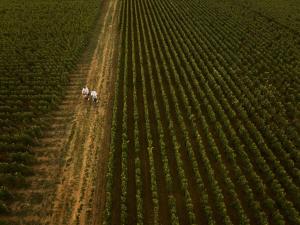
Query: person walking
point(94, 96)
point(85, 92)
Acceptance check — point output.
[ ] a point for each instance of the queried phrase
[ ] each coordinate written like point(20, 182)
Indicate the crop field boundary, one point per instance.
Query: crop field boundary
point(69, 177)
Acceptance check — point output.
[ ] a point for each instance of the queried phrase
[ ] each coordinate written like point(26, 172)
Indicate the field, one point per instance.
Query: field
point(51, 139)
point(284, 12)
point(204, 128)
point(197, 120)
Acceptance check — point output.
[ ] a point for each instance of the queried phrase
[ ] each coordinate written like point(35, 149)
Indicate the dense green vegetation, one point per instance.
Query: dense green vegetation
point(41, 42)
point(205, 123)
point(206, 116)
point(284, 12)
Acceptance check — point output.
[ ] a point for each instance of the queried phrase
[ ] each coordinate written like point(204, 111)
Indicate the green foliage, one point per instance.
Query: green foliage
point(5, 194)
point(213, 120)
point(3, 208)
point(22, 157)
point(41, 42)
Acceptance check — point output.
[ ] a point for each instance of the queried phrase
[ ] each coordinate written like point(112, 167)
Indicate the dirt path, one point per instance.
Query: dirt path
point(86, 152)
point(69, 182)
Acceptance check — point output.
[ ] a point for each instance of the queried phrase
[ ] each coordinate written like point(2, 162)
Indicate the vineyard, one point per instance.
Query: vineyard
point(197, 120)
point(285, 12)
point(41, 41)
point(205, 123)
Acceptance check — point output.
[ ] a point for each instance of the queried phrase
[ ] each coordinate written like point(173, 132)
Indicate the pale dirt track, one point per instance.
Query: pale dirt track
point(87, 145)
point(68, 187)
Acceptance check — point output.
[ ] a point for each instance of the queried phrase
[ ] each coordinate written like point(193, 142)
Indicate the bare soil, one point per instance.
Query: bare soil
point(69, 182)
point(82, 182)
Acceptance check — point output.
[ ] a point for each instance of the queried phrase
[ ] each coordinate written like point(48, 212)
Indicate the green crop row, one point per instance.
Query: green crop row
point(192, 110)
point(41, 43)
